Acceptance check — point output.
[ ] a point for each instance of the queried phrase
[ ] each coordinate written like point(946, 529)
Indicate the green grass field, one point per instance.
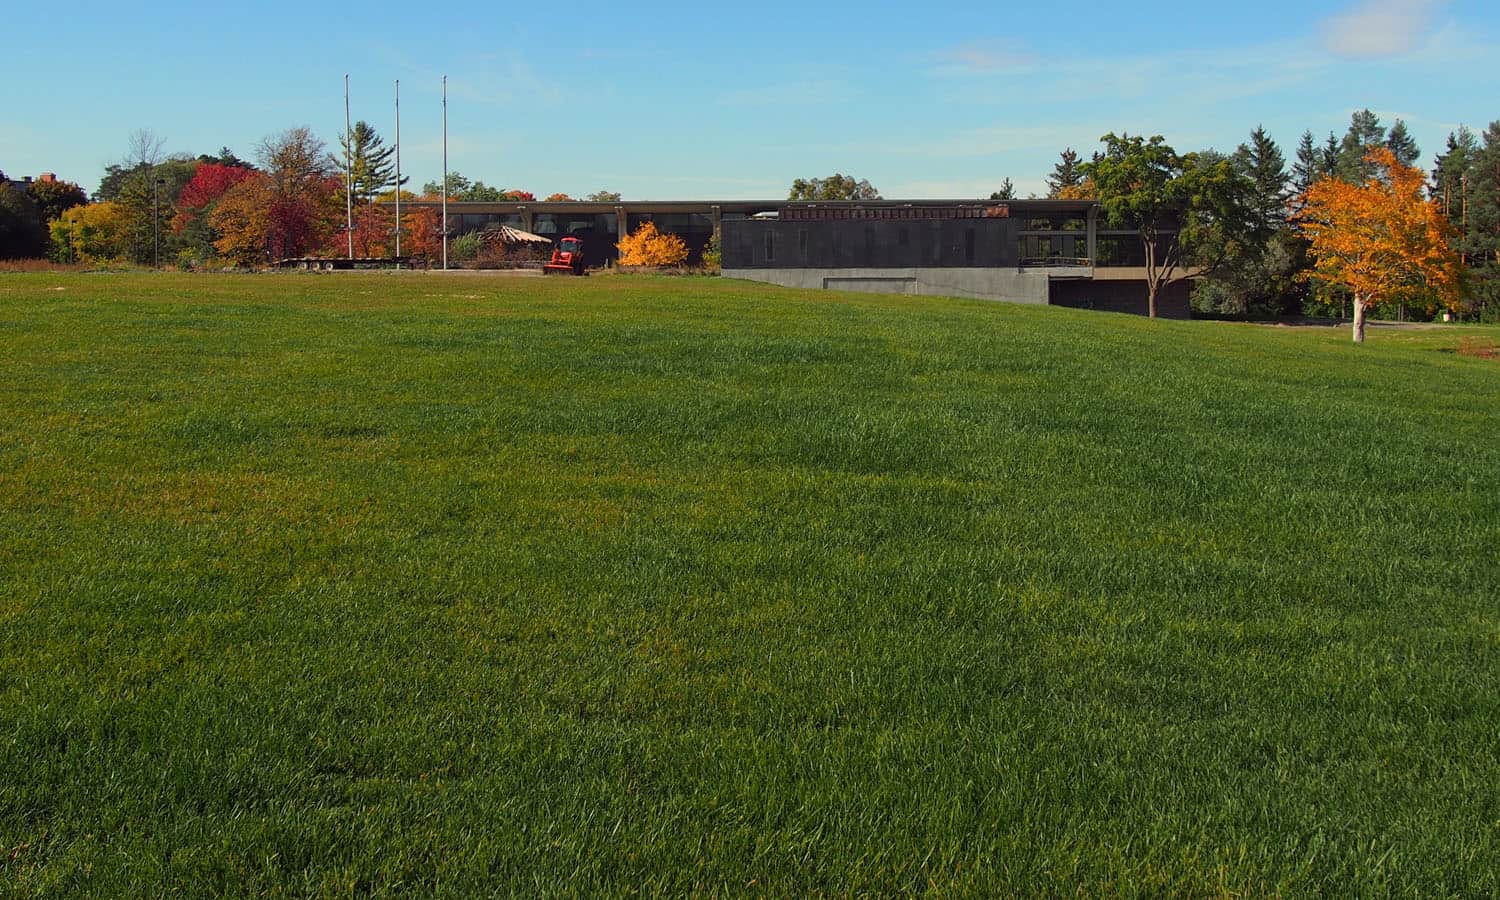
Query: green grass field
point(424, 585)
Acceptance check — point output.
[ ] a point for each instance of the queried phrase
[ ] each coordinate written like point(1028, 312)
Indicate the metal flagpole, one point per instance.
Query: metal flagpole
point(445, 171)
point(398, 170)
point(348, 173)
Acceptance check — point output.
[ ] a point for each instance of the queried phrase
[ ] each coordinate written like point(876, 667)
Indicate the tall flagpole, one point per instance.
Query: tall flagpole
point(398, 169)
point(348, 173)
point(445, 171)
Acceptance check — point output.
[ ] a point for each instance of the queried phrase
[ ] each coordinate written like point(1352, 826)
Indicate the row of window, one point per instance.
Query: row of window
point(1114, 250)
point(555, 224)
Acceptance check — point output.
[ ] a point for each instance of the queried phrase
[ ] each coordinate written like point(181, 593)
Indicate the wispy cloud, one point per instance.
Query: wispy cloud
point(800, 93)
point(649, 184)
point(993, 55)
point(986, 141)
point(1190, 76)
point(1380, 28)
point(960, 188)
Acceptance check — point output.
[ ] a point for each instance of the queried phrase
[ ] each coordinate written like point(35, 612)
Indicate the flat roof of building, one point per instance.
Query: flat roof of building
point(745, 206)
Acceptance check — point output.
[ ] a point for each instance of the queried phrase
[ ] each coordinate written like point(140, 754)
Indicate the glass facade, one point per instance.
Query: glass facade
point(1118, 248)
point(1056, 221)
point(1035, 248)
point(465, 223)
point(683, 225)
point(559, 224)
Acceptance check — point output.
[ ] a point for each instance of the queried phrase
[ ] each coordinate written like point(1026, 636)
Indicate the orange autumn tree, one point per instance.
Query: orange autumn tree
point(649, 247)
point(1381, 240)
point(422, 232)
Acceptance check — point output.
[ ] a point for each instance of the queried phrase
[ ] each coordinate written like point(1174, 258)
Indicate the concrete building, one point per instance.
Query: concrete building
point(1024, 251)
point(1056, 252)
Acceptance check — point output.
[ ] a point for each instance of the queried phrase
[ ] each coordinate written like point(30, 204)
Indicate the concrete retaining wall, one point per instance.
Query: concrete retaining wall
point(976, 283)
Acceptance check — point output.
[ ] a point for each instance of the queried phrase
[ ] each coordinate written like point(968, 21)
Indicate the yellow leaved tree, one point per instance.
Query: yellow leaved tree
point(94, 232)
point(1381, 240)
point(649, 247)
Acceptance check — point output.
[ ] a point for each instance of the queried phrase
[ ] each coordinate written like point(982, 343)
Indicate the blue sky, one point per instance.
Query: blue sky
point(692, 100)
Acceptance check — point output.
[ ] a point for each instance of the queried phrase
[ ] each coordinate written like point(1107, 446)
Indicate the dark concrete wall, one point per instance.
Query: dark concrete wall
point(869, 244)
point(1122, 296)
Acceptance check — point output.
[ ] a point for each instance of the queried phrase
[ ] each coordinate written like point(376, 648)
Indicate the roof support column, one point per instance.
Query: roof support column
point(1093, 230)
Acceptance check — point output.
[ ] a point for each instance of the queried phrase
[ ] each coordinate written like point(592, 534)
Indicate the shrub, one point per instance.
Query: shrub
point(713, 254)
point(465, 247)
point(649, 247)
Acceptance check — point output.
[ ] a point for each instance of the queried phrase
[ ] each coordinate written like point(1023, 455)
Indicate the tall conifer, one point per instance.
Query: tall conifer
point(1365, 132)
point(371, 167)
point(1400, 142)
point(1065, 174)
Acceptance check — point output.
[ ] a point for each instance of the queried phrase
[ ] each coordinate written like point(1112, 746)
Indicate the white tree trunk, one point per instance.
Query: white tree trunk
point(1359, 319)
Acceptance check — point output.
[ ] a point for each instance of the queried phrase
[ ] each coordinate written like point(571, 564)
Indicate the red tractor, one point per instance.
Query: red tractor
point(567, 258)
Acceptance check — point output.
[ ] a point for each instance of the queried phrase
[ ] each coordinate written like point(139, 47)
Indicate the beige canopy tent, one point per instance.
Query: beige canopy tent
point(504, 234)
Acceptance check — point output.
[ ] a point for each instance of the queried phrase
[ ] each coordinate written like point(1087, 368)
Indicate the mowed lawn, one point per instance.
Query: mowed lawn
point(453, 585)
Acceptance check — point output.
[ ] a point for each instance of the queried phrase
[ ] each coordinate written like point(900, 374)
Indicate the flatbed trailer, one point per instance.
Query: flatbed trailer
point(332, 264)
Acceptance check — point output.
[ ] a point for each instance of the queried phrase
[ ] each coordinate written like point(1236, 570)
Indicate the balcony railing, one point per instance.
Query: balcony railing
point(1056, 262)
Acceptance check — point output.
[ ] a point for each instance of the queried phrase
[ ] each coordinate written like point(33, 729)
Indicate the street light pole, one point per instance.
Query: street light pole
point(398, 171)
point(445, 172)
point(155, 222)
point(348, 172)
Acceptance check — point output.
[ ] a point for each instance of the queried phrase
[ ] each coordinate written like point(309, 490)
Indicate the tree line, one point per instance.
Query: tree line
point(287, 201)
point(1351, 227)
point(1264, 236)
point(1242, 225)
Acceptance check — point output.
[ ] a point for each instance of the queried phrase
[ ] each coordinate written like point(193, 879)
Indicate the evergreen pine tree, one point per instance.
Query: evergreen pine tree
point(1066, 173)
point(371, 168)
point(1309, 165)
point(1261, 161)
point(1483, 200)
point(1330, 154)
point(1401, 143)
point(1476, 211)
point(1365, 131)
point(1450, 173)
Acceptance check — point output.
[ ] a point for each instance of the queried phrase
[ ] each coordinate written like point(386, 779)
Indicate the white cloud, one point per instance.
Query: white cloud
point(1380, 28)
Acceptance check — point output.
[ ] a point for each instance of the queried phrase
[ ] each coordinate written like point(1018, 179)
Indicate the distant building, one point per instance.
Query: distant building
point(1023, 251)
point(1054, 252)
point(598, 224)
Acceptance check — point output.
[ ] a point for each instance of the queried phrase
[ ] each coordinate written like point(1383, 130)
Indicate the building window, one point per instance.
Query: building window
point(902, 237)
point(770, 246)
point(802, 243)
point(968, 245)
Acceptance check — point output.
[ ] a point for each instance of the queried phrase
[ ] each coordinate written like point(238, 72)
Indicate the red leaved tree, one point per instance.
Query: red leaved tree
point(210, 181)
point(420, 233)
point(373, 235)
